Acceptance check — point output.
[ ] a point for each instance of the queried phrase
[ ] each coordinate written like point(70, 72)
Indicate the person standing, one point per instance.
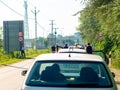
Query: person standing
point(66, 45)
point(53, 49)
point(23, 52)
point(89, 49)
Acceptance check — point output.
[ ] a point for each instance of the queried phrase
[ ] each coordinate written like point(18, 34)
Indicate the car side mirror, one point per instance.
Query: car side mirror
point(113, 74)
point(24, 72)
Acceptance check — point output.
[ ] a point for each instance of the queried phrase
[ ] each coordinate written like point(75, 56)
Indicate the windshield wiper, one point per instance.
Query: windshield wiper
point(82, 85)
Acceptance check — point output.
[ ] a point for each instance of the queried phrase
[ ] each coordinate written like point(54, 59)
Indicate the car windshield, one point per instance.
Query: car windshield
point(68, 74)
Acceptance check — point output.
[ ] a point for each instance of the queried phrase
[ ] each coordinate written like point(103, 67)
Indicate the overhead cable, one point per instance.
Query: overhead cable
point(11, 8)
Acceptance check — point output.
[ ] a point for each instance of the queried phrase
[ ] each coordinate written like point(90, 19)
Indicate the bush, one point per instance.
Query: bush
point(116, 59)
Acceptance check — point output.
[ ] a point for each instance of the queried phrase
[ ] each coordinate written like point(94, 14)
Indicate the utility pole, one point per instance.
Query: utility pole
point(52, 35)
point(52, 26)
point(26, 26)
point(35, 13)
point(56, 35)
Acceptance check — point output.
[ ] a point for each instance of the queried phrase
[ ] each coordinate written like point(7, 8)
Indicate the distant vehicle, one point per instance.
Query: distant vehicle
point(60, 71)
point(73, 50)
point(77, 46)
point(83, 51)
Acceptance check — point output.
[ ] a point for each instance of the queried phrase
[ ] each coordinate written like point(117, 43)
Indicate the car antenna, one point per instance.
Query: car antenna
point(69, 55)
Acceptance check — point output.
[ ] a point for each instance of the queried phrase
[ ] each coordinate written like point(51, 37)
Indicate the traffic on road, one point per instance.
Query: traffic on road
point(80, 53)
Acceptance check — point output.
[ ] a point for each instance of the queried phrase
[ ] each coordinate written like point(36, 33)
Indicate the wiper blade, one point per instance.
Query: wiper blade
point(82, 85)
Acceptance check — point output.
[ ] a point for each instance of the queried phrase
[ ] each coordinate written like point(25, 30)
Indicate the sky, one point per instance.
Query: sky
point(61, 11)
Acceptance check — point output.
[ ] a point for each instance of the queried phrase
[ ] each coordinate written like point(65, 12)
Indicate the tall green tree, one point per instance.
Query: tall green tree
point(102, 16)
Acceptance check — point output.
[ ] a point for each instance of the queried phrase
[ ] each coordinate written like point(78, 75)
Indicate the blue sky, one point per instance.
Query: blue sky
point(60, 11)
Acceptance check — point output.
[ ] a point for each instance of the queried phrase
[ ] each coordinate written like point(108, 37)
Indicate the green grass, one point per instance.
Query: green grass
point(15, 57)
point(9, 61)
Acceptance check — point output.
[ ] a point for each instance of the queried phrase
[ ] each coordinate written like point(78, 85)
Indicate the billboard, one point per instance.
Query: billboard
point(13, 35)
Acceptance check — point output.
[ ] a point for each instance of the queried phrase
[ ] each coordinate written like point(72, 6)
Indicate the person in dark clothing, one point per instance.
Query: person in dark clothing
point(52, 74)
point(58, 47)
point(23, 52)
point(53, 49)
point(89, 49)
point(66, 46)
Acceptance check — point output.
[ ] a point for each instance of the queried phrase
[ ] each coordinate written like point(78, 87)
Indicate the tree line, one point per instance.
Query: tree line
point(100, 25)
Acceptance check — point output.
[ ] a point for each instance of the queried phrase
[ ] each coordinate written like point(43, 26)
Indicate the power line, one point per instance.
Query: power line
point(19, 13)
point(11, 9)
point(14, 10)
point(41, 27)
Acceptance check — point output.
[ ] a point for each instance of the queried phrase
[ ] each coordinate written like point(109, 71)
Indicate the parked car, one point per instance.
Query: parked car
point(60, 71)
point(83, 51)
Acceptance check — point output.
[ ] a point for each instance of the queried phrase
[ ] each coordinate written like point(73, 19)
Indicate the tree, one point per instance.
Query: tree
point(102, 16)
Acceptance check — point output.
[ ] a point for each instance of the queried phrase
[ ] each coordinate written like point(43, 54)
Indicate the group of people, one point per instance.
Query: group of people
point(88, 48)
point(55, 48)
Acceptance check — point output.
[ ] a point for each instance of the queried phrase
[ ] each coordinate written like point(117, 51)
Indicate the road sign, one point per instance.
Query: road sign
point(20, 34)
point(99, 36)
point(20, 39)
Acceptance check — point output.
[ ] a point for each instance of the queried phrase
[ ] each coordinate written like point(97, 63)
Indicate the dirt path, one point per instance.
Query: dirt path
point(117, 76)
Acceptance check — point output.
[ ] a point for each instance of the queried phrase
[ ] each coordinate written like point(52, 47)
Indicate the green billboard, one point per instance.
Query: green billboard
point(13, 35)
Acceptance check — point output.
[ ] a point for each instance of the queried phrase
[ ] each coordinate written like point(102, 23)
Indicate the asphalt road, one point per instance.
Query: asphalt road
point(11, 78)
point(10, 75)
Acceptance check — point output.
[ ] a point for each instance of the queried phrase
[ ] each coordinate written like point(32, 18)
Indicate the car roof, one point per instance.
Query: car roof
point(69, 57)
point(72, 50)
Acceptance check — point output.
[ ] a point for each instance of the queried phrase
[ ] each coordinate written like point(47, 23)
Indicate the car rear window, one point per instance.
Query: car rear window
point(69, 74)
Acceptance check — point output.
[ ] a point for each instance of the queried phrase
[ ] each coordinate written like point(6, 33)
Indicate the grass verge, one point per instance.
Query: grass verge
point(16, 57)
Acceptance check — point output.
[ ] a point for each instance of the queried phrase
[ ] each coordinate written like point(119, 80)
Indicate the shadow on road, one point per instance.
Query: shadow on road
point(13, 66)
